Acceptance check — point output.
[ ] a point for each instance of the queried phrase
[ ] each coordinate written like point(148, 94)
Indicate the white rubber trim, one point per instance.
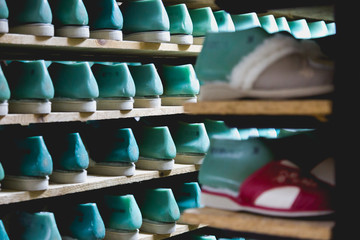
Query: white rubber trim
point(4, 26)
point(4, 108)
point(143, 102)
point(182, 39)
point(177, 101)
point(73, 31)
point(115, 104)
point(115, 234)
point(30, 106)
point(37, 29)
point(157, 227)
point(155, 164)
point(23, 183)
point(112, 169)
point(153, 36)
point(184, 158)
point(111, 34)
point(198, 40)
point(59, 176)
point(72, 105)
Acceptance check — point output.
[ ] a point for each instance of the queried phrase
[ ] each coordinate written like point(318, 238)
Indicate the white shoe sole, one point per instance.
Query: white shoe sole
point(147, 102)
point(112, 169)
point(4, 108)
point(73, 31)
point(37, 29)
point(183, 158)
point(115, 104)
point(182, 39)
point(107, 34)
point(153, 36)
point(154, 164)
point(23, 183)
point(71, 105)
point(68, 176)
point(30, 106)
point(157, 227)
point(4, 26)
point(114, 234)
point(177, 101)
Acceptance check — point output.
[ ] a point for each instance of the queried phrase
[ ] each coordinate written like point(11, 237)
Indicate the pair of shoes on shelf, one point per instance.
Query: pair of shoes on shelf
point(270, 176)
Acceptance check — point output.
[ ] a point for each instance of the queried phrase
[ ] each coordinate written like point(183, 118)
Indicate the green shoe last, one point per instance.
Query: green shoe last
point(69, 12)
point(268, 23)
point(300, 29)
point(203, 237)
point(4, 15)
point(224, 21)
point(3, 233)
point(181, 26)
point(245, 21)
point(318, 29)
point(282, 24)
point(218, 129)
point(203, 22)
point(188, 196)
point(2, 172)
point(4, 94)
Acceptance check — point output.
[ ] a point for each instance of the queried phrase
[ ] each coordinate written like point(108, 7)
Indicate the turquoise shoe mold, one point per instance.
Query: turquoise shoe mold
point(2, 172)
point(224, 21)
point(4, 15)
point(219, 129)
point(3, 233)
point(188, 196)
point(4, 94)
point(300, 29)
point(245, 21)
point(203, 237)
point(282, 24)
point(318, 29)
point(204, 22)
point(181, 26)
point(268, 23)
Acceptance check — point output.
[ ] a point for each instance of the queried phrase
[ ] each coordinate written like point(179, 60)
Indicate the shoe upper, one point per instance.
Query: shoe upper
point(29, 11)
point(180, 20)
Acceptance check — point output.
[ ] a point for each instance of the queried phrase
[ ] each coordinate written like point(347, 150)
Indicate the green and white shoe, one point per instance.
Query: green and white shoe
point(219, 129)
point(4, 94)
point(157, 149)
point(116, 86)
point(33, 17)
point(105, 19)
point(204, 22)
point(31, 87)
point(146, 21)
point(148, 86)
point(70, 18)
point(122, 217)
point(224, 21)
point(180, 85)
point(80, 97)
point(192, 143)
point(160, 211)
point(245, 21)
point(4, 15)
point(181, 26)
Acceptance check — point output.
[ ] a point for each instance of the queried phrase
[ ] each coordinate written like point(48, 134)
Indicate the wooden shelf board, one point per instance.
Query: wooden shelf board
point(192, 4)
point(324, 12)
point(93, 182)
point(261, 107)
point(26, 119)
point(97, 46)
point(247, 222)
point(180, 229)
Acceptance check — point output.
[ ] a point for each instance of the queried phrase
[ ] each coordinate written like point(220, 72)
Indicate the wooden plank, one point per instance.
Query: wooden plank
point(26, 119)
point(192, 4)
point(247, 222)
point(93, 182)
point(261, 107)
point(97, 46)
point(180, 229)
point(325, 13)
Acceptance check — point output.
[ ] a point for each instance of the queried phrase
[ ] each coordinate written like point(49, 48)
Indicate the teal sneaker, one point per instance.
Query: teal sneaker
point(192, 143)
point(247, 71)
point(31, 165)
point(180, 85)
point(4, 94)
point(123, 217)
point(245, 21)
point(116, 86)
point(70, 18)
point(300, 29)
point(31, 87)
point(148, 86)
point(38, 225)
point(157, 148)
point(318, 29)
point(224, 21)
point(145, 20)
point(181, 26)
point(204, 22)
point(160, 211)
point(268, 23)
point(105, 19)
point(33, 17)
point(113, 152)
point(188, 196)
point(80, 97)
point(86, 223)
point(3, 233)
point(4, 15)
point(70, 158)
point(282, 24)
point(219, 129)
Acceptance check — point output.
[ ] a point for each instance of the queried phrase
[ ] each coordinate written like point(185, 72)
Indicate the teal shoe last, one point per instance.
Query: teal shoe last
point(219, 129)
point(188, 196)
point(160, 211)
point(300, 29)
point(181, 26)
point(4, 15)
point(203, 237)
point(282, 24)
point(2, 173)
point(116, 86)
point(31, 87)
point(318, 29)
point(245, 21)
point(3, 233)
point(123, 217)
point(4, 94)
point(203, 22)
point(32, 17)
point(224, 21)
point(268, 23)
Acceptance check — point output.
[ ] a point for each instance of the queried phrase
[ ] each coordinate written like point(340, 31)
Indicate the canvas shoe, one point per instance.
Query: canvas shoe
point(160, 211)
point(318, 29)
point(191, 141)
point(38, 225)
point(32, 17)
point(224, 21)
point(146, 21)
point(180, 85)
point(122, 217)
point(70, 18)
point(70, 158)
point(268, 23)
point(113, 152)
point(245, 21)
point(148, 85)
point(116, 86)
point(4, 15)
point(31, 165)
point(204, 22)
point(157, 148)
point(85, 223)
point(3, 233)
point(4, 94)
point(105, 19)
point(31, 87)
point(272, 66)
point(188, 196)
point(268, 176)
point(80, 97)
point(282, 24)
point(219, 129)
point(181, 26)
point(300, 29)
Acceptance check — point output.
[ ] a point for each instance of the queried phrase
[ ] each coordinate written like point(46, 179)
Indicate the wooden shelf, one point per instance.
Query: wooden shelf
point(180, 229)
point(191, 4)
point(316, 108)
point(93, 182)
point(61, 45)
point(26, 119)
point(325, 13)
point(247, 222)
